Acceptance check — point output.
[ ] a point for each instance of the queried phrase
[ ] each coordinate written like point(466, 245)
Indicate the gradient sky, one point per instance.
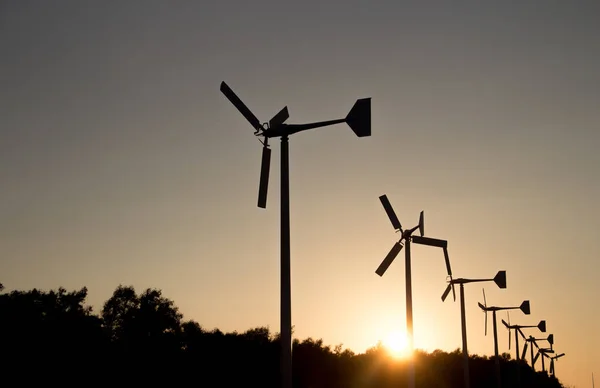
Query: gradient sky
point(122, 163)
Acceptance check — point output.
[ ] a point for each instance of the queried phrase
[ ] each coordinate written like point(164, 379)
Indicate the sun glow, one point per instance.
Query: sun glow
point(397, 344)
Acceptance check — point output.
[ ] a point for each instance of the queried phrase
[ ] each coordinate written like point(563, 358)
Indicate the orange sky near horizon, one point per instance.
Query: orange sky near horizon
point(123, 163)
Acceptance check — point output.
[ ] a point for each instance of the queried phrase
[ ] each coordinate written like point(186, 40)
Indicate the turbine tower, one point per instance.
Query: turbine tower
point(517, 329)
point(526, 310)
point(500, 280)
point(555, 357)
point(359, 120)
point(406, 236)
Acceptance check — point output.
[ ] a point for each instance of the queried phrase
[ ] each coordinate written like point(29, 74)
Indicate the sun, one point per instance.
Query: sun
point(397, 344)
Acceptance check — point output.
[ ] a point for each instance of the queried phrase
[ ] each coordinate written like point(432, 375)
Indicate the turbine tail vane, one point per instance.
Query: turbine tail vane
point(359, 118)
point(525, 307)
point(500, 279)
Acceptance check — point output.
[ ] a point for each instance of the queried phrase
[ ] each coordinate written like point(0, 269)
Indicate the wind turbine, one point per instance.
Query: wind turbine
point(544, 353)
point(519, 332)
point(359, 120)
point(526, 310)
point(555, 357)
point(533, 342)
point(517, 329)
point(406, 236)
point(500, 280)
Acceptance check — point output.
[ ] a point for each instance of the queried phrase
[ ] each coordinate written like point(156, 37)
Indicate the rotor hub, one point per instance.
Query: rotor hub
point(406, 234)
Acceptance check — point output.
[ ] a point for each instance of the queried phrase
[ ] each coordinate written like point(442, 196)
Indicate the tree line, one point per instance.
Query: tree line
point(53, 337)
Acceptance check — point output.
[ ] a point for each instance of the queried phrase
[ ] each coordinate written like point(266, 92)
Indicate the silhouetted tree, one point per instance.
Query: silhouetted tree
point(140, 339)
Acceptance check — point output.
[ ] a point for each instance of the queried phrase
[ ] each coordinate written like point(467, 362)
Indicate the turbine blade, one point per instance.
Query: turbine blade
point(453, 293)
point(542, 326)
point(521, 332)
point(484, 301)
point(537, 355)
point(235, 100)
point(390, 212)
point(508, 317)
point(482, 307)
point(447, 258)
point(422, 223)
point(505, 324)
point(432, 242)
point(279, 118)
point(446, 292)
point(486, 323)
point(388, 259)
point(524, 351)
point(552, 366)
point(263, 187)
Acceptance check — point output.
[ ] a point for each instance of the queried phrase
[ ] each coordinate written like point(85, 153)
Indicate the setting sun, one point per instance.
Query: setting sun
point(397, 344)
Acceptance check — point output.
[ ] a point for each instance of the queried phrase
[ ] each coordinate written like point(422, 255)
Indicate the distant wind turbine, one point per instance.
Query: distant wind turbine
point(500, 280)
point(556, 357)
point(523, 307)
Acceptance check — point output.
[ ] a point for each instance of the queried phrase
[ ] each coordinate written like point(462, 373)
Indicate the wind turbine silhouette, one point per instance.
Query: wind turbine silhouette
point(519, 332)
point(359, 120)
point(544, 353)
point(517, 329)
point(526, 310)
point(533, 342)
point(500, 280)
point(555, 357)
point(406, 236)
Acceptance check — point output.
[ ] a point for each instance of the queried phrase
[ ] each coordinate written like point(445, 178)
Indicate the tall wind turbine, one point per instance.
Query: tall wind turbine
point(359, 120)
point(406, 236)
point(523, 307)
point(555, 357)
point(500, 280)
point(517, 329)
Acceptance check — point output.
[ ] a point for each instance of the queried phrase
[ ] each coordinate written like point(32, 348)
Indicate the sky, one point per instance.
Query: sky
point(122, 163)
